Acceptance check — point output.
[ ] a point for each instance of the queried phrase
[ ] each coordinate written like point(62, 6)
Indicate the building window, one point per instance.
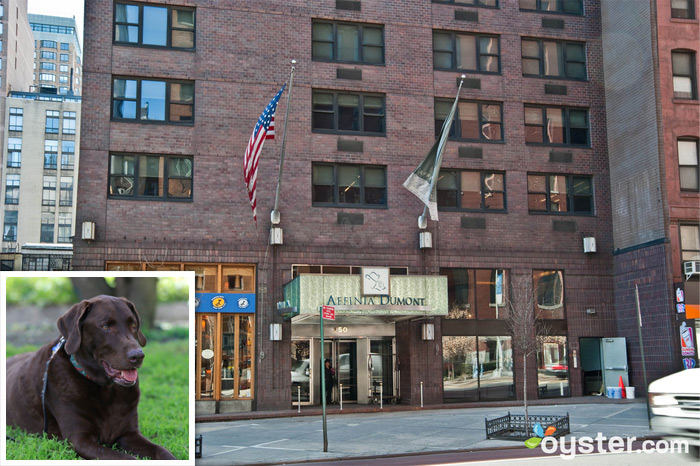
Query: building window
point(63, 79)
point(67, 155)
point(14, 152)
point(554, 59)
point(342, 112)
point(347, 185)
point(65, 46)
point(48, 55)
point(154, 26)
point(549, 294)
point(12, 189)
point(64, 57)
point(688, 164)
point(572, 7)
point(471, 190)
point(48, 196)
point(556, 126)
point(150, 100)
point(552, 367)
point(48, 66)
point(47, 227)
point(348, 42)
point(63, 90)
point(66, 199)
point(52, 117)
point(150, 177)
point(487, 3)
point(48, 44)
point(50, 154)
point(564, 194)
point(47, 77)
point(477, 368)
point(9, 229)
point(64, 227)
point(69, 122)
point(466, 52)
point(690, 243)
point(684, 78)
point(16, 119)
point(474, 121)
point(63, 68)
point(683, 9)
point(474, 293)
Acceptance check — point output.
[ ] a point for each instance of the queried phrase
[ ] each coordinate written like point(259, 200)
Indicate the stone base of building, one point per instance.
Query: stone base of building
point(222, 407)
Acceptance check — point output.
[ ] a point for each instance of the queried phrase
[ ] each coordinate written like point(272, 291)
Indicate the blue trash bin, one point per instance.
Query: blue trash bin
point(617, 392)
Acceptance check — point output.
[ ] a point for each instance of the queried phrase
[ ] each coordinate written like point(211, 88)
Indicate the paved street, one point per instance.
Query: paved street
point(298, 439)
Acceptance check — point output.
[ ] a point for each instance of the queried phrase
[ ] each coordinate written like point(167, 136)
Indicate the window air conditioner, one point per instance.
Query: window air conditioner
point(691, 268)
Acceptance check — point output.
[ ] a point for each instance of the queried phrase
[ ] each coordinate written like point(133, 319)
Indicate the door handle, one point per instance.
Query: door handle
point(623, 368)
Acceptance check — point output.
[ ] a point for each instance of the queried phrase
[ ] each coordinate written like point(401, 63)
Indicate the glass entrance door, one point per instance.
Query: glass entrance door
point(301, 371)
point(347, 369)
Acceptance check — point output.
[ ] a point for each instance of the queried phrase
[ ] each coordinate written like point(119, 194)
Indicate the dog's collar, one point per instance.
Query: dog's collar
point(78, 367)
point(54, 350)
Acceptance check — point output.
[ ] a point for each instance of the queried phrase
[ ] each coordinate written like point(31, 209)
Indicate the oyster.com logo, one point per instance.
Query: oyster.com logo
point(533, 442)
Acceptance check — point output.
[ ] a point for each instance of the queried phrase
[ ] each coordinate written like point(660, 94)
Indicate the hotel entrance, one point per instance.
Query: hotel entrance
point(362, 366)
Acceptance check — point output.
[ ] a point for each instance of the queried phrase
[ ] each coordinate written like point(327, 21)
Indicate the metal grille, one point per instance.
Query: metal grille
point(512, 426)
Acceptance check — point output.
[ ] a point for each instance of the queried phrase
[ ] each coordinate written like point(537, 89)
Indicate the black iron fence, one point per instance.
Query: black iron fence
point(512, 426)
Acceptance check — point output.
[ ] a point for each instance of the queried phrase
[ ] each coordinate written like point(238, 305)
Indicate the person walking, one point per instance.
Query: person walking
point(330, 380)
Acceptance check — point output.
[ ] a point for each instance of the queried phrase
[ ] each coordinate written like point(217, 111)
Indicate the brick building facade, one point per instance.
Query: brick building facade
point(518, 195)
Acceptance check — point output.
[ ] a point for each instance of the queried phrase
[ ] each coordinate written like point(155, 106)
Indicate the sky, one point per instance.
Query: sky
point(66, 8)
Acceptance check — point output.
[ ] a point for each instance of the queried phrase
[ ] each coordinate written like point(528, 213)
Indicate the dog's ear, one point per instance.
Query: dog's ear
point(140, 336)
point(69, 325)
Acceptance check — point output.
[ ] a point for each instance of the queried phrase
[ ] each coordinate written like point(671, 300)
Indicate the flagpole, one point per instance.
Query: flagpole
point(275, 214)
point(423, 220)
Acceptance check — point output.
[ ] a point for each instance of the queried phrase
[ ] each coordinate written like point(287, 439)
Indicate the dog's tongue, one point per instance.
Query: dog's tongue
point(130, 375)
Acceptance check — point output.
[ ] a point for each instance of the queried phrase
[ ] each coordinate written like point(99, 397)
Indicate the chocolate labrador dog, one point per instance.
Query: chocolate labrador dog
point(91, 392)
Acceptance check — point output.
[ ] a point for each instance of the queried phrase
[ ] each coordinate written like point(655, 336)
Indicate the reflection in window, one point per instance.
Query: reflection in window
point(207, 349)
point(348, 42)
point(549, 286)
point(150, 100)
point(552, 367)
point(684, 75)
point(475, 293)
point(477, 368)
point(301, 371)
point(149, 175)
point(148, 25)
point(245, 356)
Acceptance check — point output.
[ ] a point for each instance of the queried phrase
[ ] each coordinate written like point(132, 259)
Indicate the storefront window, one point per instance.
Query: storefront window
point(204, 277)
point(206, 351)
point(552, 367)
point(245, 356)
point(228, 355)
point(237, 279)
point(301, 370)
point(549, 288)
point(477, 368)
point(476, 293)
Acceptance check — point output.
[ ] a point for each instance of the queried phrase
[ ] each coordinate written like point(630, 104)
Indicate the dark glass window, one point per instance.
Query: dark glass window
point(560, 194)
point(554, 59)
point(9, 229)
point(47, 228)
point(12, 189)
point(556, 126)
point(150, 177)
point(16, 119)
point(48, 55)
point(684, 77)
point(344, 112)
point(67, 155)
point(48, 197)
point(49, 44)
point(486, 3)
point(683, 9)
point(64, 227)
point(473, 121)
point(348, 42)
point(471, 190)
point(572, 7)
point(66, 191)
point(65, 46)
point(360, 185)
point(549, 293)
point(153, 100)
point(50, 153)
point(52, 117)
point(14, 152)
point(154, 25)
point(466, 52)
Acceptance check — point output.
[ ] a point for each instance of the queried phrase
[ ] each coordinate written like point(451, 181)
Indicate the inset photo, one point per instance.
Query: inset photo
point(97, 366)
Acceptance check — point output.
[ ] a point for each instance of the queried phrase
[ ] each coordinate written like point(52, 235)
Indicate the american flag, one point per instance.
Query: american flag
point(264, 129)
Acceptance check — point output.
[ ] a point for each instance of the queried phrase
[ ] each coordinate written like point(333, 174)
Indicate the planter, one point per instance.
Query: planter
point(512, 426)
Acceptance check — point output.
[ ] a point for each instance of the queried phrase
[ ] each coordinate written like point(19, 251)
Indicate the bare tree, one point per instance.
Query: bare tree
point(139, 290)
point(523, 325)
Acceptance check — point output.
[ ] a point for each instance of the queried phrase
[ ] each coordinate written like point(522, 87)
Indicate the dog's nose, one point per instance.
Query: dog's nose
point(135, 356)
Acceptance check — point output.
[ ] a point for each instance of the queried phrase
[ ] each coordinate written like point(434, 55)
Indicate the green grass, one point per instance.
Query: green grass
point(163, 410)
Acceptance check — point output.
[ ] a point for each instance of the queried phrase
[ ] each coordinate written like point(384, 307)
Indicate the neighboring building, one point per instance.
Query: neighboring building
point(651, 84)
point(57, 55)
point(524, 180)
point(38, 182)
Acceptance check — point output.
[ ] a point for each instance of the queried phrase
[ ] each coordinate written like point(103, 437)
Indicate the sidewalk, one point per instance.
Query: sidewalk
point(363, 431)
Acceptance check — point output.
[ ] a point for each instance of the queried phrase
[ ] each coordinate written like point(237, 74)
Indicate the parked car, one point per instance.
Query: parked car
point(675, 403)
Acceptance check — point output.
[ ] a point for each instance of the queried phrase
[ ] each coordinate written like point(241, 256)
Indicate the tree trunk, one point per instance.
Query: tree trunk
point(527, 419)
point(142, 291)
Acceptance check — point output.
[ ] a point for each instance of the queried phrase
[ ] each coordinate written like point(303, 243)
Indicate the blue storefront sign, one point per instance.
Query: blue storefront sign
point(225, 302)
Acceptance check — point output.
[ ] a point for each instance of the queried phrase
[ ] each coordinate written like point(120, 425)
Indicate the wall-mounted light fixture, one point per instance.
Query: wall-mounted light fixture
point(427, 331)
point(275, 332)
point(88, 231)
point(589, 244)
